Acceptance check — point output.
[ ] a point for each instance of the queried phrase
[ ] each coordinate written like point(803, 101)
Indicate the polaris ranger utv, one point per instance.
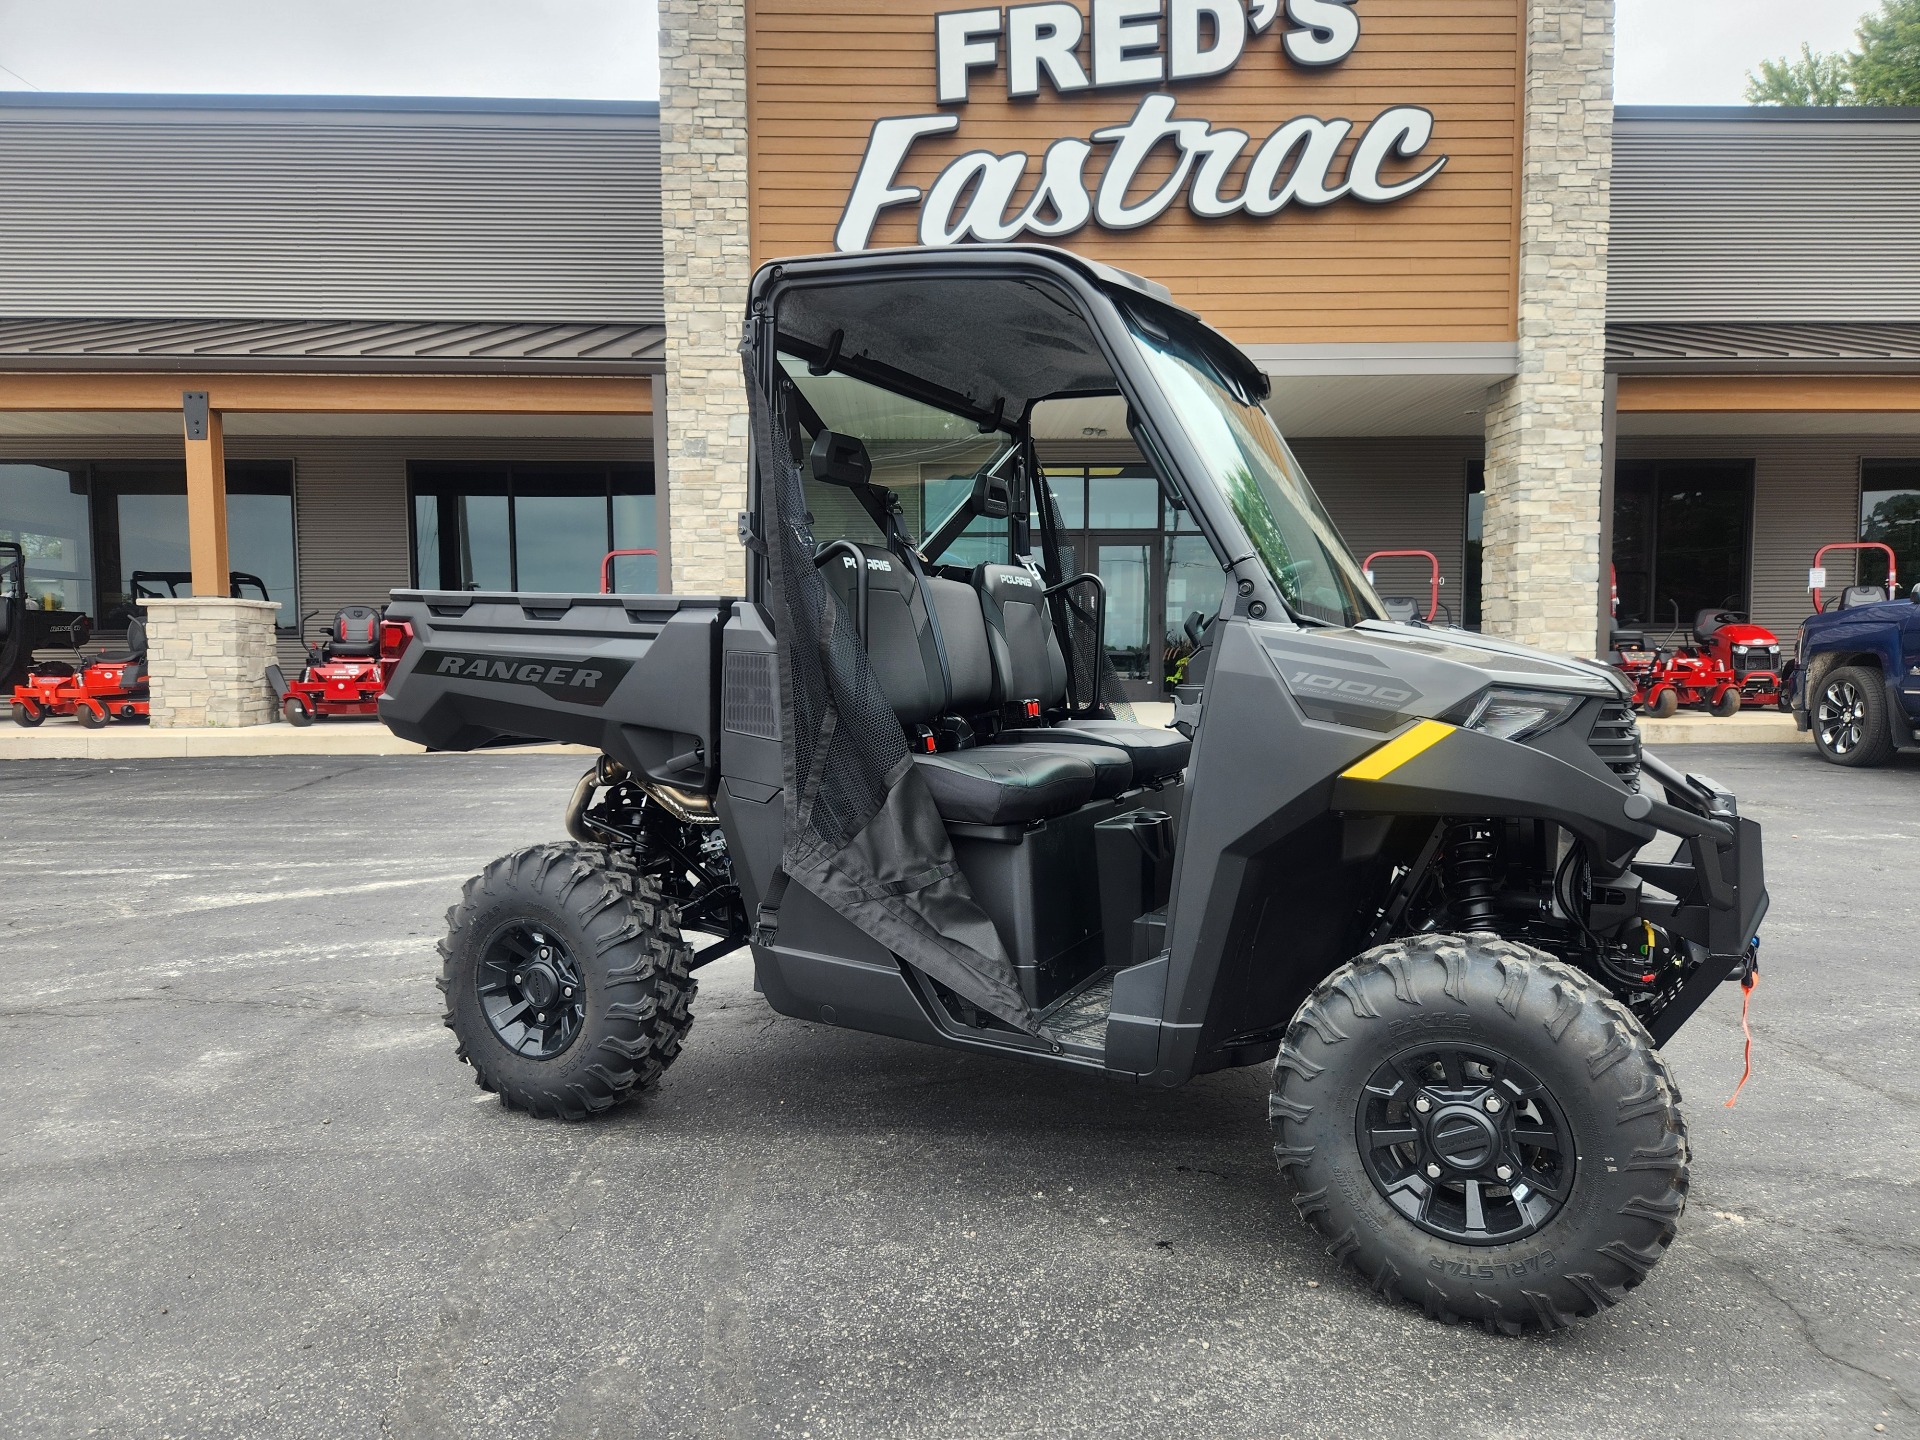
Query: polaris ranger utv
point(1430, 877)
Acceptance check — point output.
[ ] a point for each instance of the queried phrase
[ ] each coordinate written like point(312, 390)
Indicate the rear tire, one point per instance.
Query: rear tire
point(1665, 705)
point(1849, 715)
point(1586, 1114)
point(1727, 706)
point(603, 936)
point(27, 714)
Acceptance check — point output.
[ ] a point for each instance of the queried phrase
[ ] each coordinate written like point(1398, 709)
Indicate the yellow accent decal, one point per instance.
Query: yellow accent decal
point(1395, 753)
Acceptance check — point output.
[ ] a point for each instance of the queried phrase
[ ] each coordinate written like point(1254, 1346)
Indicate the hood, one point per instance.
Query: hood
point(1504, 662)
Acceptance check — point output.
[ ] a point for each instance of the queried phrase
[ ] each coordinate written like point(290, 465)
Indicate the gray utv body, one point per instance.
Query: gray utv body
point(1161, 926)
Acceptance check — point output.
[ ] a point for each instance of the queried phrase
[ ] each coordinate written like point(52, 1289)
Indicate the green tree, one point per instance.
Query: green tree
point(1887, 69)
point(1810, 80)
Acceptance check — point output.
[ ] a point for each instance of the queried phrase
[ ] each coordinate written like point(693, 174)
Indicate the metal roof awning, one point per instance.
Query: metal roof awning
point(1803, 349)
point(358, 346)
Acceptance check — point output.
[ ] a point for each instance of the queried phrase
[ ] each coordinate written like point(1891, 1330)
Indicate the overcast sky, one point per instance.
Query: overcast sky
point(1671, 52)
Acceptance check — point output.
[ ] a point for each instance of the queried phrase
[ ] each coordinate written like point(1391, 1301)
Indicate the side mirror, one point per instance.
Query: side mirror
point(992, 496)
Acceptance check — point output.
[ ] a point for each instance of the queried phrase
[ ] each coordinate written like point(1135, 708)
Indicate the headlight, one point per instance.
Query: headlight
point(1519, 714)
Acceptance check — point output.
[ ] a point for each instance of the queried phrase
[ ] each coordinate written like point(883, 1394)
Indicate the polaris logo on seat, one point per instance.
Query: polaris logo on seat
point(884, 566)
point(581, 682)
point(1025, 582)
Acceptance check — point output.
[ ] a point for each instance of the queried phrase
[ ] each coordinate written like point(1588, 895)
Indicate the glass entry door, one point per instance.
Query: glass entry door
point(1681, 539)
point(1129, 564)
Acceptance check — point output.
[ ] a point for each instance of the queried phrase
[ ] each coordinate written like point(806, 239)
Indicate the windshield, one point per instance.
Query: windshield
point(1251, 467)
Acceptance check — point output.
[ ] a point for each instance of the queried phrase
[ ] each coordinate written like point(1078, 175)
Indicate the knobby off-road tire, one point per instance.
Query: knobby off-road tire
point(1849, 718)
point(1607, 1088)
point(611, 935)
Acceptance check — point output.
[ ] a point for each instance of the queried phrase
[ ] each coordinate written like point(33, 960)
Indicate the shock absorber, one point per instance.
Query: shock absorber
point(1473, 874)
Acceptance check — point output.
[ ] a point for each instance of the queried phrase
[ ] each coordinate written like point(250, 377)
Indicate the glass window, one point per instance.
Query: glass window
point(1069, 486)
point(140, 526)
point(1258, 476)
point(1680, 538)
point(43, 509)
point(926, 456)
point(1890, 513)
point(532, 526)
point(1122, 499)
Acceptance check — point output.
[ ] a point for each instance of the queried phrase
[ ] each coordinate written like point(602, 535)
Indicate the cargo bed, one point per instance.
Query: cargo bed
point(636, 676)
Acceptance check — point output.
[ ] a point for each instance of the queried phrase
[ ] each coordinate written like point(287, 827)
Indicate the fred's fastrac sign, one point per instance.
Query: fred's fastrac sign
point(1297, 170)
point(1034, 50)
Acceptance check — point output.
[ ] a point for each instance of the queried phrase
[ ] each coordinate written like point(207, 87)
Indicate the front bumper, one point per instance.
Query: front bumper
point(1712, 894)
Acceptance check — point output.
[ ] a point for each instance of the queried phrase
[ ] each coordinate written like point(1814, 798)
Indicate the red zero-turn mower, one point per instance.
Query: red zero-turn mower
point(110, 687)
point(48, 688)
point(1403, 609)
point(1817, 576)
point(346, 674)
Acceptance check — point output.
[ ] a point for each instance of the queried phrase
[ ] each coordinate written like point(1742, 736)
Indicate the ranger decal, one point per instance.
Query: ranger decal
point(581, 682)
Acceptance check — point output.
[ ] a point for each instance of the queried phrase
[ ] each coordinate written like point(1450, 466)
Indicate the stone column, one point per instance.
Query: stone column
point(1545, 426)
point(207, 660)
point(703, 195)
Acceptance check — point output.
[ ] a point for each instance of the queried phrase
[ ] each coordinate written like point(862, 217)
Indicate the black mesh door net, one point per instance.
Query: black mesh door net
point(861, 830)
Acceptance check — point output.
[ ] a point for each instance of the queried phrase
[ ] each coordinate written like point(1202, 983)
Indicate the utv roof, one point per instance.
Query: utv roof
point(898, 319)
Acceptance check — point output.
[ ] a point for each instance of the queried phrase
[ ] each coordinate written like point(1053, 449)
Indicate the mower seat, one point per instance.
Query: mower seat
point(1854, 596)
point(135, 659)
point(1709, 623)
point(354, 634)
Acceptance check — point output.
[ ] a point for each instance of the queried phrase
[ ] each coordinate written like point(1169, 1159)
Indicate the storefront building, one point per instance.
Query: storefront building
point(1503, 323)
point(476, 344)
point(427, 337)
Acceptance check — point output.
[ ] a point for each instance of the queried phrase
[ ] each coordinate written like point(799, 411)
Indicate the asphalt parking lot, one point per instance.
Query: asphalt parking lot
point(247, 1191)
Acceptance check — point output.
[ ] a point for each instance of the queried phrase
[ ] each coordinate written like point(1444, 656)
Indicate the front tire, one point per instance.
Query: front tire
point(566, 980)
point(1665, 705)
point(1727, 705)
point(1849, 715)
point(91, 716)
point(27, 715)
point(1412, 1078)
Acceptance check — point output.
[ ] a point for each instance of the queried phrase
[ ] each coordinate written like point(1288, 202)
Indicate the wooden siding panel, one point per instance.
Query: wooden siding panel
point(1439, 265)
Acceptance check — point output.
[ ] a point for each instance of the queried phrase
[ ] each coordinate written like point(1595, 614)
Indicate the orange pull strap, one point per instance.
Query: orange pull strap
point(1746, 1004)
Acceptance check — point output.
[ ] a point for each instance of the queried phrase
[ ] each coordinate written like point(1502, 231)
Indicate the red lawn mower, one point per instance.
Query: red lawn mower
point(346, 673)
point(1732, 663)
point(1403, 609)
point(109, 687)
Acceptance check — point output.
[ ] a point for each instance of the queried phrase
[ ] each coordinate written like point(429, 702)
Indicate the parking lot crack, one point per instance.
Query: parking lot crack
point(1804, 1323)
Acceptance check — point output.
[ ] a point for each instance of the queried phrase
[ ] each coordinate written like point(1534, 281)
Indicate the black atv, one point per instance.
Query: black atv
point(1429, 876)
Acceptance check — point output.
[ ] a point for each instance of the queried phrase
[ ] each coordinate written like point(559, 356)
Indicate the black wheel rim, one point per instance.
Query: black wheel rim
point(531, 991)
point(1465, 1143)
point(1841, 717)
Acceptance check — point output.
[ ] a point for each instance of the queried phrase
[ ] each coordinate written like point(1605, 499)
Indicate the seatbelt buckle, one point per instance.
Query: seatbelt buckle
point(766, 925)
point(1030, 709)
point(925, 742)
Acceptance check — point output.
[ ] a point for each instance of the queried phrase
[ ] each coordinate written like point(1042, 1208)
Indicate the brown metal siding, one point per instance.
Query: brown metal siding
point(1438, 265)
point(1806, 494)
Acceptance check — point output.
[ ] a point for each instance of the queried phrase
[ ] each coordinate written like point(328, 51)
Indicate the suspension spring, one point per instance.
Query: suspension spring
point(1473, 873)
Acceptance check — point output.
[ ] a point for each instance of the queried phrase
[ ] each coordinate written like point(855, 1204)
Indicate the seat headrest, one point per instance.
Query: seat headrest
point(136, 637)
point(1854, 596)
point(885, 570)
point(355, 631)
point(840, 460)
point(1009, 584)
